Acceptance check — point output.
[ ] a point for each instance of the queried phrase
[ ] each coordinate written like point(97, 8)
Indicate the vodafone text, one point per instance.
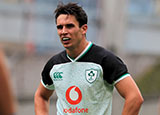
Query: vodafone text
point(76, 110)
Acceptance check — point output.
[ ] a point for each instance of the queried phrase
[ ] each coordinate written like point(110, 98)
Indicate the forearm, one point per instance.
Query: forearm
point(130, 92)
point(41, 100)
point(41, 106)
point(132, 106)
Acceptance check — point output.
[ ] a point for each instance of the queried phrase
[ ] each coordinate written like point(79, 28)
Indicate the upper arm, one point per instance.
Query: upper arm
point(114, 68)
point(43, 92)
point(128, 88)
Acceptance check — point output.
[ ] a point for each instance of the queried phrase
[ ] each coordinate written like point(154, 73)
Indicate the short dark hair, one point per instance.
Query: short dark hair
point(72, 9)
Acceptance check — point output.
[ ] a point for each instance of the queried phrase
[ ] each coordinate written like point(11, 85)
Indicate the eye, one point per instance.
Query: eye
point(60, 27)
point(69, 25)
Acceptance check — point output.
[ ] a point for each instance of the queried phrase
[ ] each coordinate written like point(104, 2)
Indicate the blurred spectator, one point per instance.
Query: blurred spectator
point(7, 102)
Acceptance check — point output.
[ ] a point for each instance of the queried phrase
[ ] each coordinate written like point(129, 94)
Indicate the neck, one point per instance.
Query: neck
point(73, 53)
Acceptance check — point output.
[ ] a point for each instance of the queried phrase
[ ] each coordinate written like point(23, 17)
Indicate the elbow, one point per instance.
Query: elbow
point(135, 100)
point(140, 100)
point(40, 96)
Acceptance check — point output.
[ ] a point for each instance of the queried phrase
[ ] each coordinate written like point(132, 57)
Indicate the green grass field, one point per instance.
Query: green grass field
point(149, 82)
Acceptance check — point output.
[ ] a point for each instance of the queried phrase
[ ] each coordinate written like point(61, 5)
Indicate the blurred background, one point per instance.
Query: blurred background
point(129, 28)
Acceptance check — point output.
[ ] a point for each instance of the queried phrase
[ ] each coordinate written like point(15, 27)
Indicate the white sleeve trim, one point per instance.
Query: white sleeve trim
point(49, 87)
point(122, 77)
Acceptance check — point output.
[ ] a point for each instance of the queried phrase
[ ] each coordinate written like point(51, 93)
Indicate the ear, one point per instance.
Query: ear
point(84, 28)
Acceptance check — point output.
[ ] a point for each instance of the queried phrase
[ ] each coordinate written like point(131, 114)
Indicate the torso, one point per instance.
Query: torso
point(80, 83)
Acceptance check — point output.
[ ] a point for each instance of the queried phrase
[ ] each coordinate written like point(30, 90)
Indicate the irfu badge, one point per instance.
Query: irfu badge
point(91, 75)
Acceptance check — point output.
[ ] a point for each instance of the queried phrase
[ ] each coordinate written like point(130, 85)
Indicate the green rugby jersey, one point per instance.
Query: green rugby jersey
point(84, 85)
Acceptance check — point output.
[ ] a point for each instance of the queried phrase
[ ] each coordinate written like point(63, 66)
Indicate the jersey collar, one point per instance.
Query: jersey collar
point(82, 54)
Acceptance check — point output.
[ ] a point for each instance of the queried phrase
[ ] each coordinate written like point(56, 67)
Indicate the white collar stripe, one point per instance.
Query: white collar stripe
point(82, 54)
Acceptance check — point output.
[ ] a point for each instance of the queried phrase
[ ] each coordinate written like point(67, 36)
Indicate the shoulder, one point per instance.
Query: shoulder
point(97, 54)
point(108, 58)
point(56, 59)
point(57, 56)
point(100, 51)
point(113, 67)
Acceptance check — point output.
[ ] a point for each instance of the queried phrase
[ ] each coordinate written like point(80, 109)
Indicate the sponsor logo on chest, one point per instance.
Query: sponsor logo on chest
point(57, 76)
point(74, 97)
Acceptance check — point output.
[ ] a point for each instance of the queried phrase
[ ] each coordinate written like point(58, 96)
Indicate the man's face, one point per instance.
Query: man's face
point(69, 31)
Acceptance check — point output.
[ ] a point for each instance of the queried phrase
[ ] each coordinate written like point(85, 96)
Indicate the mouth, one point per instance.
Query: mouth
point(66, 39)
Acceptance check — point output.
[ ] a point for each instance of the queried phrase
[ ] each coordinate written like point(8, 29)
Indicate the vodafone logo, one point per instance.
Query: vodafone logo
point(73, 95)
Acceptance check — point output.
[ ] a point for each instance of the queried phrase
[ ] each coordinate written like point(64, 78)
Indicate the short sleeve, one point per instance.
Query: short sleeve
point(113, 68)
point(46, 79)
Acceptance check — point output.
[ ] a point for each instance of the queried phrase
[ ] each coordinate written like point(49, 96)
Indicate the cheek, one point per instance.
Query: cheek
point(77, 33)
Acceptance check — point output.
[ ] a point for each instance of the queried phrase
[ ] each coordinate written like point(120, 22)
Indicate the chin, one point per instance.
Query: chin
point(67, 46)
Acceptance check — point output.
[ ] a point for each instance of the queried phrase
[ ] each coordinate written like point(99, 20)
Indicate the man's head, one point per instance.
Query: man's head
point(72, 9)
point(71, 21)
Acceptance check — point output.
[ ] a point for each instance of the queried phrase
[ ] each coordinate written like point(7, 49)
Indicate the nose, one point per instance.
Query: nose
point(64, 30)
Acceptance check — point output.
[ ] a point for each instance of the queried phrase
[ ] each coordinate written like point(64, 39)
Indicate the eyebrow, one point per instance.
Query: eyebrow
point(70, 25)
point(67, 25)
